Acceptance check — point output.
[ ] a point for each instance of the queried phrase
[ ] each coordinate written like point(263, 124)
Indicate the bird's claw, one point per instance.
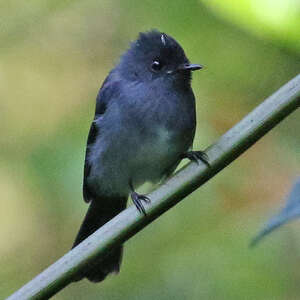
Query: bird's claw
point(196, 156)
point(137, 200)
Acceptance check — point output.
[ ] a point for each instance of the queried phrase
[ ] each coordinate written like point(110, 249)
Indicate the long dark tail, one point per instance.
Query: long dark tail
point(100, 212)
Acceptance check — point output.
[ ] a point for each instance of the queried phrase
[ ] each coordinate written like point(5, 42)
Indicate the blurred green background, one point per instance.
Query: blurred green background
point(55, 54)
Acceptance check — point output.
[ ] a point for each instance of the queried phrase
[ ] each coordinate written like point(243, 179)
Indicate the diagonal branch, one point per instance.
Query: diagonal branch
point(231, 145)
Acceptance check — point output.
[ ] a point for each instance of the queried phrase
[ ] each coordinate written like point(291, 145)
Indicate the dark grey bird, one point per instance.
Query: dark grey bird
point(144, 125)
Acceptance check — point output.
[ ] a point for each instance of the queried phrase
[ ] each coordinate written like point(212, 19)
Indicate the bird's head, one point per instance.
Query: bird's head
point(156, 55)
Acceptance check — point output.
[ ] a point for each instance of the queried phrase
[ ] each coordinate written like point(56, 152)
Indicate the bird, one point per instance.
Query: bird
point(144, 125)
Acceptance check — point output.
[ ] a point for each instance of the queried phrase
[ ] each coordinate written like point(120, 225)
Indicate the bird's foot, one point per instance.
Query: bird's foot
point(137, 200)
point(196, 156)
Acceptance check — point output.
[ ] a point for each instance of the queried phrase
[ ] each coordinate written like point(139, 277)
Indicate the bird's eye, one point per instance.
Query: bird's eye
point(156, 65)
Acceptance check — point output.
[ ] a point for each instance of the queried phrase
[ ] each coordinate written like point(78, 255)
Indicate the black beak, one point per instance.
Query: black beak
point(189, 67)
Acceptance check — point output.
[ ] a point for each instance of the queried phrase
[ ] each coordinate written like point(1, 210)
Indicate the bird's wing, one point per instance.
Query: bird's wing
point(107, 92)
point(87, 195)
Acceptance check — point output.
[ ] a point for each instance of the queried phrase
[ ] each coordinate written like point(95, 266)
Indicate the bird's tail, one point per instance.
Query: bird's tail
point(100, 212)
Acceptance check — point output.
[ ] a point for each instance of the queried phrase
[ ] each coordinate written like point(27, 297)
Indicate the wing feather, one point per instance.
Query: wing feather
point(106, 93)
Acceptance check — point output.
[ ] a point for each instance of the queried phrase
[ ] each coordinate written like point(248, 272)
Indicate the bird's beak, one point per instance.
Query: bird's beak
point(189, 67)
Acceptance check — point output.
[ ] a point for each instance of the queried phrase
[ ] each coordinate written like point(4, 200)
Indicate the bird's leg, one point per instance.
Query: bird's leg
point(196, 156)
point(137, 199)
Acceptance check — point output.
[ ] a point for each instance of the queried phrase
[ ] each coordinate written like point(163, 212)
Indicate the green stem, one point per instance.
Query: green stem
point(231, 145)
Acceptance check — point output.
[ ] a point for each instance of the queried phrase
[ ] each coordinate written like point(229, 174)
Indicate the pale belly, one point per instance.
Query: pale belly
point(136, 159)
point(155, 158)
